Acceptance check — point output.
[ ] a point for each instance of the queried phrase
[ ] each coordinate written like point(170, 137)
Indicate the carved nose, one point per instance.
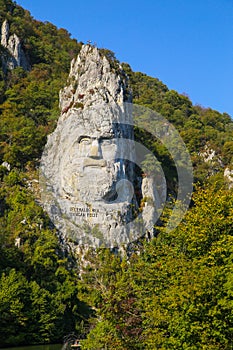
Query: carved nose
point(95, 151)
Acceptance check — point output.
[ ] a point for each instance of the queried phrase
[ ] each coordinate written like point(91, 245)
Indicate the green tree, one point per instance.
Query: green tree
point(14, 295)
point(174, 292)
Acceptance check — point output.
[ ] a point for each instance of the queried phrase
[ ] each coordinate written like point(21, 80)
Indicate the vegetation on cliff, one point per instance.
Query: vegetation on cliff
point(174, 292)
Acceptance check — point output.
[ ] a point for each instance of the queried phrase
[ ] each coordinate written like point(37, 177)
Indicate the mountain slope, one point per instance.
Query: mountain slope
point(44, 300)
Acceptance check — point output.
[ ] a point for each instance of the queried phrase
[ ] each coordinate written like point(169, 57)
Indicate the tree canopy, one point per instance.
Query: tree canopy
point(174, 292)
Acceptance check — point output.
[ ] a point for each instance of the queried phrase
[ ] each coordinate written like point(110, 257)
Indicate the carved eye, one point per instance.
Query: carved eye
point(106, 141)
point(85, 140)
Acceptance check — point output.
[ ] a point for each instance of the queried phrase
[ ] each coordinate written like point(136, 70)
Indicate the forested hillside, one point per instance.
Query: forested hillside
point(174, 292)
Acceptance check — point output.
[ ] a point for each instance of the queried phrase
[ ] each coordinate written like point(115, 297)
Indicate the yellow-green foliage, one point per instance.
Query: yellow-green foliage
point(175, 294)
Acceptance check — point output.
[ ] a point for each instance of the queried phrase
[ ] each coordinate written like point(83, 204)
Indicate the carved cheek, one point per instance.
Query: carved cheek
point(109, 151)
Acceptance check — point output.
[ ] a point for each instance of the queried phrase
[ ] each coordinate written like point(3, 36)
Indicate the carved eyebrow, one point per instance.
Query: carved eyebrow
point(102, 138)
point(83, 137)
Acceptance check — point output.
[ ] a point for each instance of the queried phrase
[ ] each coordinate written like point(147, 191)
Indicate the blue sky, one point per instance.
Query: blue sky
point(187, 44)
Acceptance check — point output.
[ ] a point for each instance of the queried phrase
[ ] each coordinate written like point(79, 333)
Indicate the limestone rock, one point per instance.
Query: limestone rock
point(5, 33)
point(228, 174)
point(91, 82)
point(6, 165)
point(15, 56)
point(152, 199)
point(88, 179)
point(209, 155)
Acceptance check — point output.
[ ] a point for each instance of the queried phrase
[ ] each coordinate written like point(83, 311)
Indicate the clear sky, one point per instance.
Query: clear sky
point(187, 44)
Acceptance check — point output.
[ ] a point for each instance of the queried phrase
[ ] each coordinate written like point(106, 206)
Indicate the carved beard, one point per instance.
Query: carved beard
point(88, 183)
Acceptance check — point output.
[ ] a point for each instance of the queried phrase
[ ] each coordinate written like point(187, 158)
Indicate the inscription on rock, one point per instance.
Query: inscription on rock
point(84, 212)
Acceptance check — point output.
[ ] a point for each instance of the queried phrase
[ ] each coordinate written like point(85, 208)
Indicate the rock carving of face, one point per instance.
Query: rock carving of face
point(91, 170)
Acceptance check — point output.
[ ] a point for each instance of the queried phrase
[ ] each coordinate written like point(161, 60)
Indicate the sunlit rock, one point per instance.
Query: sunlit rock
point(14, 55)
point(89, 181)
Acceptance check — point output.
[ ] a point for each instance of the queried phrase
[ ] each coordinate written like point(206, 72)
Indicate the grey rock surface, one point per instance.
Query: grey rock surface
point(14, 55)
point(228, 174)
point(88, 177)
point(5, 33)
point(6, 165)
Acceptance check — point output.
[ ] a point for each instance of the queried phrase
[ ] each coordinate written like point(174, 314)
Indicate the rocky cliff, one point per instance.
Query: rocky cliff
point(13, 56)
point(90, 185)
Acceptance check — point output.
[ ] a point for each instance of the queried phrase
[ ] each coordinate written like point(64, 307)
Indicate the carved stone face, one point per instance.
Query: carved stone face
point(90, 180)
point(90, 170)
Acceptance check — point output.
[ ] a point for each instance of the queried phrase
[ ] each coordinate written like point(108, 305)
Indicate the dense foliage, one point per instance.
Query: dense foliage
point(202, 129)
point(38, 289)
point(174, 292)
point(30, 99)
